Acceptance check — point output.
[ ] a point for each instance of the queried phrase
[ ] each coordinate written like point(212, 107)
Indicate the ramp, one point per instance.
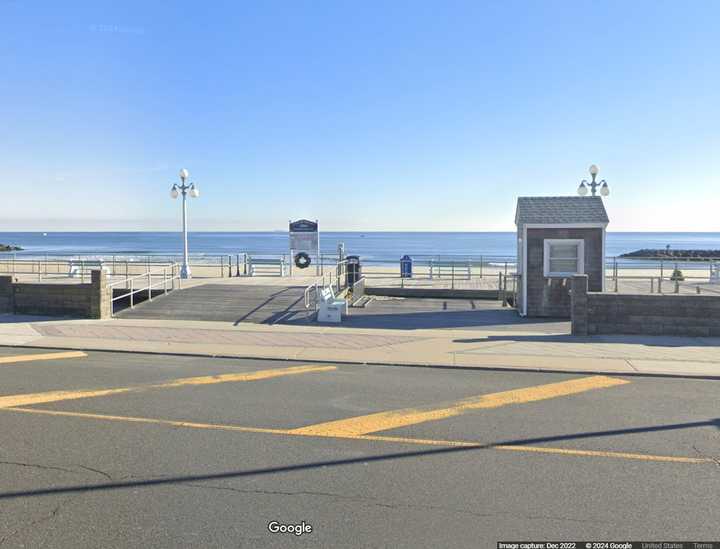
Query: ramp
point(226, 303)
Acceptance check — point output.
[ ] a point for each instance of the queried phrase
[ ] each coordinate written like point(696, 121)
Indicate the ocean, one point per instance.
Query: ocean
point(378, 246)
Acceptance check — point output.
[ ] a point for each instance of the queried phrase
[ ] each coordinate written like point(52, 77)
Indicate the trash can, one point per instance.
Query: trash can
point(353, 270)
point(406, 267)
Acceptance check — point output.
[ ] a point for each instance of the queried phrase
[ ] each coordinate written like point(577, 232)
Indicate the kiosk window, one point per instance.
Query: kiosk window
point(564, 257)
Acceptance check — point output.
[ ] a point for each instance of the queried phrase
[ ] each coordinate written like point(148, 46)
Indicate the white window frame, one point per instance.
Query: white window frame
point(546, 256)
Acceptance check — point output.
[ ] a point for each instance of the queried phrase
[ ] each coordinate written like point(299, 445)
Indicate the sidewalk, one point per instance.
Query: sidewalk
point(516, 349)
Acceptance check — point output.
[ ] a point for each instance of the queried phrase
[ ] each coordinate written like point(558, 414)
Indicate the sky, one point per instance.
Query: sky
point(391, 115)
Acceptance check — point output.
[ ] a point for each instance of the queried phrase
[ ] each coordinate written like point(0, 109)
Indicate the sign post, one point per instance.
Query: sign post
point(304, 242)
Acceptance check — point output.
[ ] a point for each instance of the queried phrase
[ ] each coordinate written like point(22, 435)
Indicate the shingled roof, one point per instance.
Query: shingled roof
point(555, 210)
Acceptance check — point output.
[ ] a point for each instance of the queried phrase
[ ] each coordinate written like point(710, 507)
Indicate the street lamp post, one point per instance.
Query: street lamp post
point(584, 184)
point(175, 191)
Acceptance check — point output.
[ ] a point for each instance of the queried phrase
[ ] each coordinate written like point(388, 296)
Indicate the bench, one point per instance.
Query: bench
point(330, 308)
point(76, 268)
point(453, 269)
point(265, 266)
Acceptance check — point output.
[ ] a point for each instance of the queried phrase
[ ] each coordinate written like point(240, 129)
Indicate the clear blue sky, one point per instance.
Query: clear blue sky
point(398, 115)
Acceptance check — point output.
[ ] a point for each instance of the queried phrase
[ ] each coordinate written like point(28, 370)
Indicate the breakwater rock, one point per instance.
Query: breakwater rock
point(693, 255)
point(8, 248)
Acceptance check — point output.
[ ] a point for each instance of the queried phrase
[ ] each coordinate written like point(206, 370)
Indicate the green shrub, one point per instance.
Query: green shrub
point(677, 276)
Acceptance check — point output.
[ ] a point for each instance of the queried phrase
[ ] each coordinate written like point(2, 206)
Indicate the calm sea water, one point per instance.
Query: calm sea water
point(370, 245)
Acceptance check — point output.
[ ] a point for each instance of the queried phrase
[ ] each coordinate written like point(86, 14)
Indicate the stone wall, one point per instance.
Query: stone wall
point(76, 300)
point(648, 314)
point(6, 294)
point(550, 297)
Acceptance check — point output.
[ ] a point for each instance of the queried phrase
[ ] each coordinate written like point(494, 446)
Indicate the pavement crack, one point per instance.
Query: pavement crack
point(98, 471)
point(55, 468)
point(37, 466)
point(629, 363)
point(389, 505)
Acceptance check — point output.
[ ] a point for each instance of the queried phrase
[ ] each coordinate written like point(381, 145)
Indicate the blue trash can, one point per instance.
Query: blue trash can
point(406, 267)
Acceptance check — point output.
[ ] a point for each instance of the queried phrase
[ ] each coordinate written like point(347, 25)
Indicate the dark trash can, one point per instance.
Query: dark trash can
point(406, 267)
point(353, 270)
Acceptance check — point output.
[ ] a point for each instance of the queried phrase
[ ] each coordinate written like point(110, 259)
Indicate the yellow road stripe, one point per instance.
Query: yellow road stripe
point(55, 396)
point(249, 376)
point(41, 356)
point(378, 438)
point(382, 421)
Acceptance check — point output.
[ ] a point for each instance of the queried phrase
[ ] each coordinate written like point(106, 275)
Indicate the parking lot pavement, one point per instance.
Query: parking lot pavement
point(127, 450)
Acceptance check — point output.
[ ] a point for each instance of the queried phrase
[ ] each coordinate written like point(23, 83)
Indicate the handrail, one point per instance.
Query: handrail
point(132, 290)
point(141, 275)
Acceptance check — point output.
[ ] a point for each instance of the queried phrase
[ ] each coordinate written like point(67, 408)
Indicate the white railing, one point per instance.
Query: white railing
point(51, 266)
point(167, 275)
point(330, 279)
point(357, 292)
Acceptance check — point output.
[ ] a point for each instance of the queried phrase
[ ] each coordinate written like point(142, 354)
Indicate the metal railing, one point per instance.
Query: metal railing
point(166, 274)
point(640, 274)
point(59, 265)
point(357, 291)
point(508, 286)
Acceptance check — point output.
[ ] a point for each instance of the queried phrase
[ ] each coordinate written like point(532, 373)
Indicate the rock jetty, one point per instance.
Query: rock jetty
point(9, 248)
point(694, 255)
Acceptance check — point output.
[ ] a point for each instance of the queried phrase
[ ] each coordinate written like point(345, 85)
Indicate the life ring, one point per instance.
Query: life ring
point(302, 260)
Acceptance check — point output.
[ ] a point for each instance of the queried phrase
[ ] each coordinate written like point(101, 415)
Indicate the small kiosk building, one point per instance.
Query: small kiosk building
point(558, 237)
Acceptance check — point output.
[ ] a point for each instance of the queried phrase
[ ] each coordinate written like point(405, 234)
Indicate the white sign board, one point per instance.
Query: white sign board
point(304, 236)
point(304, 242)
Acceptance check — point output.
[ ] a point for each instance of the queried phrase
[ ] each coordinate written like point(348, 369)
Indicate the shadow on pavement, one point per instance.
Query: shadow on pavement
point(19, 319)
point(84, 488)
point(500, 320)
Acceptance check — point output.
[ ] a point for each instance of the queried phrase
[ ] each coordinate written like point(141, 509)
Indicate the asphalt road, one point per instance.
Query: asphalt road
point(132, 450)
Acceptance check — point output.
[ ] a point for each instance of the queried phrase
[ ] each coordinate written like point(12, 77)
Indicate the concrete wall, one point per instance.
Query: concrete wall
point(649, 314)
point(77, 300)
point(550, 297)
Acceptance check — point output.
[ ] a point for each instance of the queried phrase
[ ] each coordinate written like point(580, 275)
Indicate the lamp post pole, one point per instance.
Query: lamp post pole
point(604, 189)
point(184, 188)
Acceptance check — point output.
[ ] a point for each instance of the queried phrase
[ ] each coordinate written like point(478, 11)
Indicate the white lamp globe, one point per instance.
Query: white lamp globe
point(194, 192)
point(594, 169)
point(605, 190)
point(582, 189)
point(174, 193)
point(184, 174)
